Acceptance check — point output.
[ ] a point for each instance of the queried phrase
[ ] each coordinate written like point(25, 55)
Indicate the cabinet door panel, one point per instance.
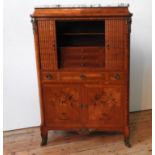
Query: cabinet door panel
point(105, 106)
point(62, 105)
point(116, 38)
point(46, 31)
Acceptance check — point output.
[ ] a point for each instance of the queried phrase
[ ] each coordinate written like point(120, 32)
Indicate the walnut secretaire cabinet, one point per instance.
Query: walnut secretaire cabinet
point(83, 68)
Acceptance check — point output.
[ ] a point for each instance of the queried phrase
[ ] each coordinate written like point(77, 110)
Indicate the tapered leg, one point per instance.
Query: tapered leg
point(127, 137)
point(44, 137)
point(127, 141)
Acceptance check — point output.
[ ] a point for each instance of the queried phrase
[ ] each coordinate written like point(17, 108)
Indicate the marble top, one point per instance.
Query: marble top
point(83, 5)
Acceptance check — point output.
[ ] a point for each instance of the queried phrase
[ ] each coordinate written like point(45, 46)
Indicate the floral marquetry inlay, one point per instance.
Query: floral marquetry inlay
point(103, 102)
point(64, 101)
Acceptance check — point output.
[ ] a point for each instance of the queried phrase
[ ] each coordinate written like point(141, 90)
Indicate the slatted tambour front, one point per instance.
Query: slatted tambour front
point(47, 44)
point(126, 45)
point(115, 43)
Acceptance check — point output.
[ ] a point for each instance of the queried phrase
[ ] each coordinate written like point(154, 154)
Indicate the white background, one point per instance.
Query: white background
point(21, 102)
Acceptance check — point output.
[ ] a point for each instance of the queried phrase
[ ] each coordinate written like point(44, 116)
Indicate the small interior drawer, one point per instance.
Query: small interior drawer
point(82, 57)
point(83, 63)
point(81, 50)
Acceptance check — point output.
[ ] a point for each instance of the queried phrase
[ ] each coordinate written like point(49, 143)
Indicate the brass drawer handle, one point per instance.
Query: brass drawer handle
point(82, 76)
point(117, 76)
point(49, 76)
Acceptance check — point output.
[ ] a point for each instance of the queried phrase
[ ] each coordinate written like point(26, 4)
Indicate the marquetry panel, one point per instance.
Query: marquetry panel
point(115, 43)
point(46, 31)
point(61, 104)
point(104, 105)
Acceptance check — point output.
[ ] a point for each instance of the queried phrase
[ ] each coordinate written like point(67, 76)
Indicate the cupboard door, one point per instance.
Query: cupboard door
point(62, 105)
point(105, 106)
point(116, 46)
point(47, 44)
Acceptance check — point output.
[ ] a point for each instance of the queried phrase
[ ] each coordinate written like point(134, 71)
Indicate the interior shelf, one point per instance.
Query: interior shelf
point(81, 40)
point(86, 33)
point(80, 26)
point(80, 44)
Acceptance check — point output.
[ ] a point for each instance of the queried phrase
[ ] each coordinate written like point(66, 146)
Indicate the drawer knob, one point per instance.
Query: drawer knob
point(108, 45)
point(117, 76)
point(82, 65)
point(82, 57)
point(82, 76)
point(82, 106)
point(49, 77)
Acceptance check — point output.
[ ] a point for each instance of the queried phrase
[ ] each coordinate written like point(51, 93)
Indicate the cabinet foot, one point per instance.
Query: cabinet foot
point(44, 140)
point(127, 142)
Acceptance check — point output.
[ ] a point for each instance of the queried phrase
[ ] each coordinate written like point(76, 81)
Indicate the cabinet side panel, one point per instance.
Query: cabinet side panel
point(127, 69)
point(36, 41)
point(46, 29)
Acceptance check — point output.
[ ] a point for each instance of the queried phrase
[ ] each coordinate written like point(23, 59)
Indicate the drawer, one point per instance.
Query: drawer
point(71, 51)
point(106, 77)
point(116, 78)
point(83, 76)
point(85, 63)
point(80, 57)
point(83, 57)
point(49, 76)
